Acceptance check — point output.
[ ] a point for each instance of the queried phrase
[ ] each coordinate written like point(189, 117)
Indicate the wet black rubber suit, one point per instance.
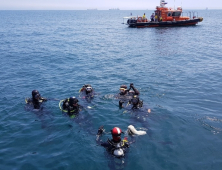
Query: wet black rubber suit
point(71, 105)
point(36, 99)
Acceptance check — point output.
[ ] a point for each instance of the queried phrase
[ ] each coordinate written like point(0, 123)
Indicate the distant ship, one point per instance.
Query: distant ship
point(114, 9)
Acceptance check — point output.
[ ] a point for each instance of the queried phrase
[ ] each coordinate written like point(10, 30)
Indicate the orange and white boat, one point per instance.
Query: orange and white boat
point(165, 17)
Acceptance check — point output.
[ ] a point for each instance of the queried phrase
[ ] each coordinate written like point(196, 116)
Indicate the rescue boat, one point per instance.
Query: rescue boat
point(165, 17)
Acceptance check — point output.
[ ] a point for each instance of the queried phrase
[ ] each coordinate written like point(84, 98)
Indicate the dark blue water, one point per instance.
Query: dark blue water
point(177, 71)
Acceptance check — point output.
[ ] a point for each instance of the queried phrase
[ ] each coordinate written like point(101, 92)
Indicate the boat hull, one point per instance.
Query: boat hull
point(134, 23)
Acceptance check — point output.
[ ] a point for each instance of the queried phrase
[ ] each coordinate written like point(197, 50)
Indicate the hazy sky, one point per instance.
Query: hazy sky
point(104, 4)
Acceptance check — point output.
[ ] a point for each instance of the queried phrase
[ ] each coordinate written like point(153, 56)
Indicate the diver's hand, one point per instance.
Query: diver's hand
point(100, 130)
point(131, 85)
point(121, 103)
point(43, 99)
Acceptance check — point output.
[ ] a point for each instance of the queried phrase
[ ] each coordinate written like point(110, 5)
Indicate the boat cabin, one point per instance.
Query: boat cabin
point(169, 14)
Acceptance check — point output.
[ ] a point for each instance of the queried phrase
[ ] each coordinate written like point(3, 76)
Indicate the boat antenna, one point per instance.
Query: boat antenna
point(174, 4)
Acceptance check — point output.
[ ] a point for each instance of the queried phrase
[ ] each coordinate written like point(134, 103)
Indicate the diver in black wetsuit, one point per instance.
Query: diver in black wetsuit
point(71, 106)
point(36, 99)
point(116, 146)
point(88, 90)
point(127, 94)
point(136, 102)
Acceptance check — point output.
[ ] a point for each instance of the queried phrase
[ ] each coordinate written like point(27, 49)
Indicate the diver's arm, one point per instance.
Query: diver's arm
point(65, 104)
point(127, 90)
point(82, 89)
point(134, 89)
point(121, 104)
point(29, 101)
point(80, 106)
point(127, 144)
point(43, 99)
point(99, 134)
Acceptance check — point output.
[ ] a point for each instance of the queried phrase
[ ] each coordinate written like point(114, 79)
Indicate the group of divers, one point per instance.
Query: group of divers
point(116, 146)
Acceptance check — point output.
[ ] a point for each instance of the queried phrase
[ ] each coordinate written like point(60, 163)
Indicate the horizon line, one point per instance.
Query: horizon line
point(96, 9)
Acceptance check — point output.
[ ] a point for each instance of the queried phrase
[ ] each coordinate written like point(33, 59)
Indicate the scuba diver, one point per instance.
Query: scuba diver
point(127, 94)
point(87, 90)
point(116, 146)
point(70, 105)
point(36, 99)
point(136, 102)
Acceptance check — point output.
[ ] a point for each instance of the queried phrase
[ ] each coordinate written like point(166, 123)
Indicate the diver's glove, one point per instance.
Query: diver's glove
point(131, 85)
point(100, 130)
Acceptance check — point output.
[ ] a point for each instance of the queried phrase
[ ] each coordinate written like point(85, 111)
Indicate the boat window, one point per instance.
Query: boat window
point(176, 14)
point(169, 14)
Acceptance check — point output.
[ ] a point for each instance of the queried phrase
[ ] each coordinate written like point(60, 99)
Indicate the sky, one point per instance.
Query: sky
point(105, 4)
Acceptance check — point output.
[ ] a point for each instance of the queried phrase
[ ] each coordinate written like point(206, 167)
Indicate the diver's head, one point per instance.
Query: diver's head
point(37, 96)
point(89, 89)
point(116, 134)
point(135, 100)
point(131, 93)
point(123, 89)
point(34, 92)
point(73, 101)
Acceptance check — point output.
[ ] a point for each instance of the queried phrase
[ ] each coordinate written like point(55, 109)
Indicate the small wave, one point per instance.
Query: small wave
point(108, 97)
point(212, 124)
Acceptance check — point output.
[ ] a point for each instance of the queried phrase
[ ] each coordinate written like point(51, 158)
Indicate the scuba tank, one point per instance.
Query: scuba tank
point(118, 151)
point(117, 148)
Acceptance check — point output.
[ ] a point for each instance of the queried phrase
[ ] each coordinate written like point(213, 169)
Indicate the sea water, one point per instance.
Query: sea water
point(176, 69)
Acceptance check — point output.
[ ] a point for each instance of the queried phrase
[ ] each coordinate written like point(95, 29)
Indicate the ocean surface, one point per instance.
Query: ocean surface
point(178, 71)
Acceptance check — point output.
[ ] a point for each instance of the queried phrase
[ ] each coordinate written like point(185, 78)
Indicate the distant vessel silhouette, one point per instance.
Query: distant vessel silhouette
point(114, 9)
